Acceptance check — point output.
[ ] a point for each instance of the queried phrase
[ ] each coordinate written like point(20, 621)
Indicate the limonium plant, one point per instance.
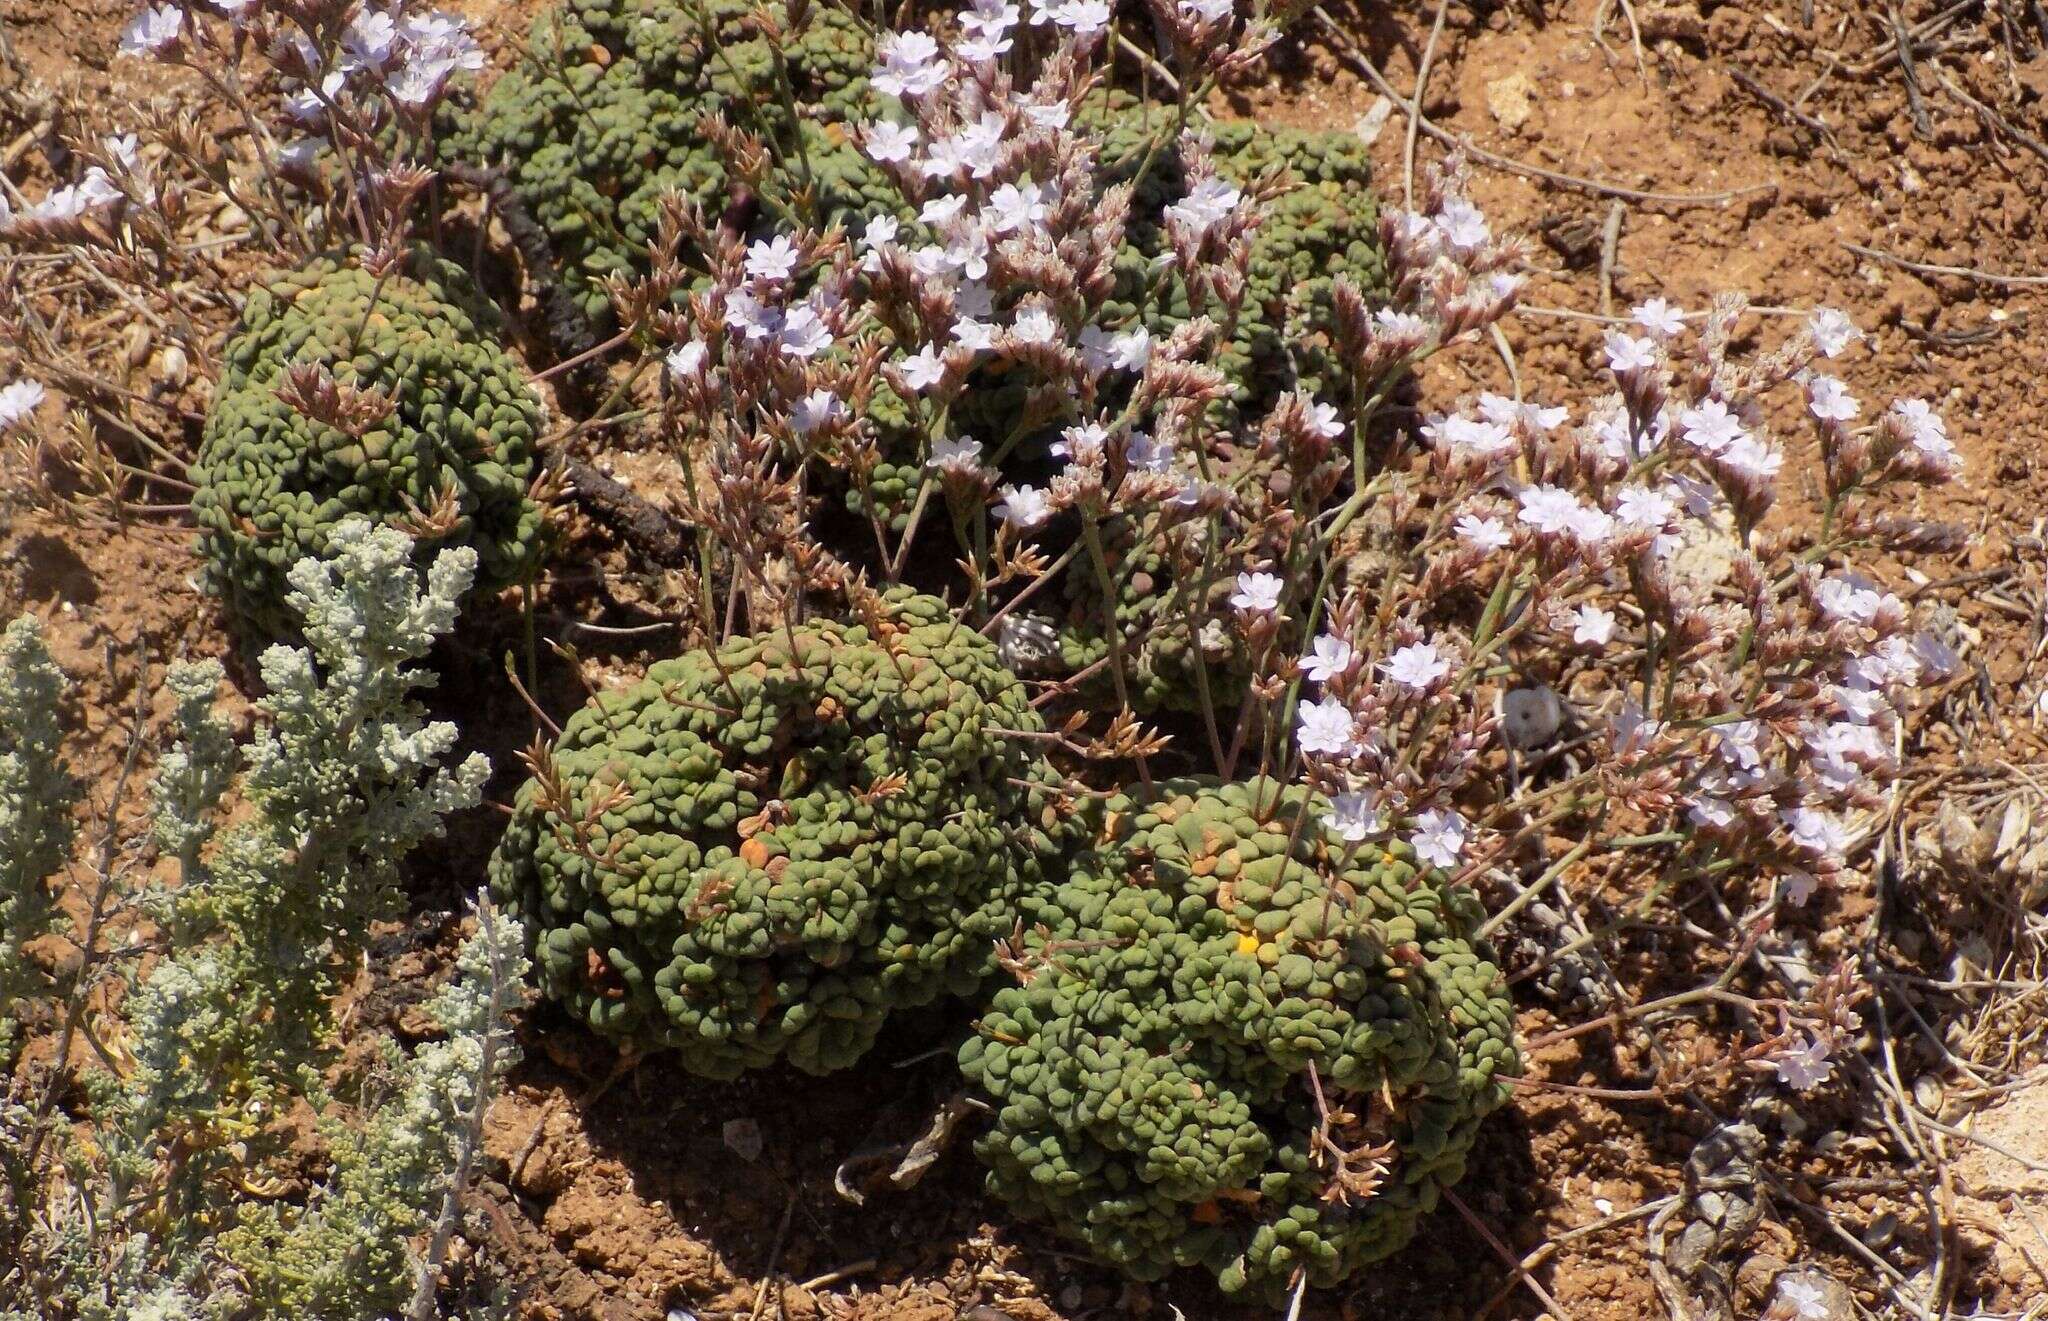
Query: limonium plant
point(1399, 582)
point(1475, 629)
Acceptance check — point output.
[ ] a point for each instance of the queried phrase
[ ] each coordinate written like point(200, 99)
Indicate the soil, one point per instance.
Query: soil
point(628, 1196)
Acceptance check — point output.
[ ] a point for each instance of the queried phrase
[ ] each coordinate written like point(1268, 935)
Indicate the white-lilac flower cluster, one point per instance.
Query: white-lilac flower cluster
point(348, 77)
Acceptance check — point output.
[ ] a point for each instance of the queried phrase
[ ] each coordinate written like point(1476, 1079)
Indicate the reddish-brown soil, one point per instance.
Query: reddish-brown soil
point(622, 1199)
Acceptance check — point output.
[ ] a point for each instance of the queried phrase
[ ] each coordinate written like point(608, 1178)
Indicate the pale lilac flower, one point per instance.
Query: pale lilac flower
point(1035, 325)
point(1808, 1301)
point(1506, 412)
point(1644, 509)
point(1324, 420)
point(1463, 227)
point(979, 146)
point(962, 457)
point(1206, 206)
point(1416, 666)
point(910, 65)
point(1710, 427)
point(1711, 812)
point(154, 32)
point(1741, 744)
point(1354, 817)
point(1012, 208)
point(1145, 454)
point(923, 369)
point(889, 142)
point(1937, 657)
point(309, 107)
point(1084, 18)
point(1551, 509)
point(880, 230)
point(1478, 530)
point(443, 38)
point(1083, 442)
point(124, 149)
point(1830, 400)
point(1094, 345)
point(747, 314)
point(1207, 11)
point(1325, 728)
point(989, 16)
point(1806, 1067)
point(817, 409)
point(1439, 838)
point(1401, 327)
point(772, 259)
point(1659, 318)
point(967, 253)
point(1328, 658)
point(973, 298)
point(370, 41)
point(944, 207)
point(419, 82)
point(1024, 507)
point(686, 360)
point(1618, 439)
point(1799, 887)
point(1838, 750)
point(1926, 428)
point(90, 193)
point(1633, 733)
point(300, 158)
point(978, 48)
point(1833, 332)
point(1132, 350)
point(1547, 508)
point(1753, 457)
point(973, 335)
point(1258, 593)
point(1820, 833)
point(1486, 439)
point(1051, 116)
point(1859, 704)
point(1592, 626)
point(804, 333)
point(18, 402)
point(1697, 496)
point(1627, 353)
point(1851, 598)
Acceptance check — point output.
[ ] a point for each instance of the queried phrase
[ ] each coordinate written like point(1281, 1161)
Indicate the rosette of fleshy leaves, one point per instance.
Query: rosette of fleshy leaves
point(1239, 1044)
point(759, 852)
point(350, 392)
point(616, 103)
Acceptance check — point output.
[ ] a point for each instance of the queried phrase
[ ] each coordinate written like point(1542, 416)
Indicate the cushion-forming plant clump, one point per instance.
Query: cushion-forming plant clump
point(603, 116)
point(1238, 1045)
point(346, 393)
point(1323, 227)
point(760, 851)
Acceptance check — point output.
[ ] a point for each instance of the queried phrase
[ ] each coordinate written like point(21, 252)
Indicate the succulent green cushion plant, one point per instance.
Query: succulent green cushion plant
point(601, 118)
point(272, 484)
point(1204, 968)
point(759, 852)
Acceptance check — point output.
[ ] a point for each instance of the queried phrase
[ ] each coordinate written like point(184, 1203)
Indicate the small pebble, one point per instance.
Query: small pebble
point(743, 1139)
